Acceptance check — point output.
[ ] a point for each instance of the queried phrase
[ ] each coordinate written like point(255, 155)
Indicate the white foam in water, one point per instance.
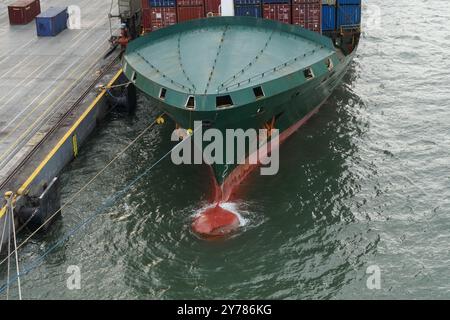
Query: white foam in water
point(232, 207)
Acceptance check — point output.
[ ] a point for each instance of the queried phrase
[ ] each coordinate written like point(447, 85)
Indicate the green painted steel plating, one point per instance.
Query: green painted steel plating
point(294, 70)
point(226, 56)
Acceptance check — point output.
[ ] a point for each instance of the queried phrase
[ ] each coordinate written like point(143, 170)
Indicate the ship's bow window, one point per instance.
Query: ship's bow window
point(223, 101)
point(258, 91)
point(190, 103)
point(329, 64)
point(308, 73)
point(162, 93)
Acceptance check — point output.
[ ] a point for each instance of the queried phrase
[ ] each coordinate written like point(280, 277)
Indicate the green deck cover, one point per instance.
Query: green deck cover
point(214, 56)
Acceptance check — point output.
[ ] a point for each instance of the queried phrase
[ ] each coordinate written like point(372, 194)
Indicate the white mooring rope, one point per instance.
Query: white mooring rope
point(107, 203)
point(71, 199)
point(11, 209)
point(9, 253)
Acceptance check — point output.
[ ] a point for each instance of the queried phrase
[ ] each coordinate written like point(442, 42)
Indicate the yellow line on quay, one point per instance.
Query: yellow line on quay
point(68, 134)
point(27, 183)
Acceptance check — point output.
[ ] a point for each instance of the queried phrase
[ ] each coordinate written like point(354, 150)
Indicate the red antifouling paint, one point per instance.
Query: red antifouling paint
point(215, 222)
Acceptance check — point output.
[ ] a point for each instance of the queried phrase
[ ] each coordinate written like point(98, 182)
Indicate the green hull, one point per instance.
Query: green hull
point(289, 108)
point(276, 63)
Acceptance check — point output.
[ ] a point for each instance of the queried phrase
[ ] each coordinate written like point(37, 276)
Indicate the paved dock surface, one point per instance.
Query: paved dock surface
point(39, 76)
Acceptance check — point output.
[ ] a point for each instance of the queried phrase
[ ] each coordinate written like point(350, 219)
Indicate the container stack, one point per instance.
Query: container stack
point(339, 15)
point(323, 16)
point(212, 8)
point(157, 14)
point(307, 14)
point(329, 15)
point(348, 14)
point(279, 10)
point(23, 11)
point(190, 9)
point(250, 8)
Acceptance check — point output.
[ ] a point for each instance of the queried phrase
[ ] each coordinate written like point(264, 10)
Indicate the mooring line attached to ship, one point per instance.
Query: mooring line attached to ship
point(88, 183)
point(107, 203)
point(3, 235)
point(19, 287)
point(9, 254)
point(25, 224)
point(11, 223)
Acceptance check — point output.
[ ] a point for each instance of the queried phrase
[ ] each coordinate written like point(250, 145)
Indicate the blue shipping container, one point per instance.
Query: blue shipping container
point(328, 18)
point(344, 2)
point(162, 3)
point(248, 10)
point(276, 1)
point(240, 2)
point(349, 15)
point(51, 22)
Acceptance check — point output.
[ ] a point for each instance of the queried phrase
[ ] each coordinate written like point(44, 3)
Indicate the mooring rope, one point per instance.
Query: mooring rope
point(11, 210)
point(126, 84)
point(83, 188)
point(9, 254)
point(24, 225)
point(107, 203)
point(3, 234)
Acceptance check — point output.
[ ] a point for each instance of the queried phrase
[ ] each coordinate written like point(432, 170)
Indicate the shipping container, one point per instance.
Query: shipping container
point(162, 3)
point(328, 18)
point(348, 15)
point(23, 11)
point(190, 3)
point(212, 8)
point(248, 10)
point(146, 20)
point(277, 12)
point(276, 1)
point(145, 4)
point(186, 13)
point(245, 2)
point(161, 17)
point(319, 2)
point(51, 22)
point(345, 2)
point(308, 15)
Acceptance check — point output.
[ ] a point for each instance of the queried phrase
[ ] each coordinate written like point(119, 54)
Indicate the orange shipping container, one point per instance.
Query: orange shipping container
point(278, 12)
point(186, 3)
point(308, 16)
point(161, 17)
point(23, 11)
point(190, 13)
point(212, 8)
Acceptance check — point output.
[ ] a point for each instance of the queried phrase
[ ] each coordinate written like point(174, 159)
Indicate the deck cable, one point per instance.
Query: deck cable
point(107, 203)
point(84, 187)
